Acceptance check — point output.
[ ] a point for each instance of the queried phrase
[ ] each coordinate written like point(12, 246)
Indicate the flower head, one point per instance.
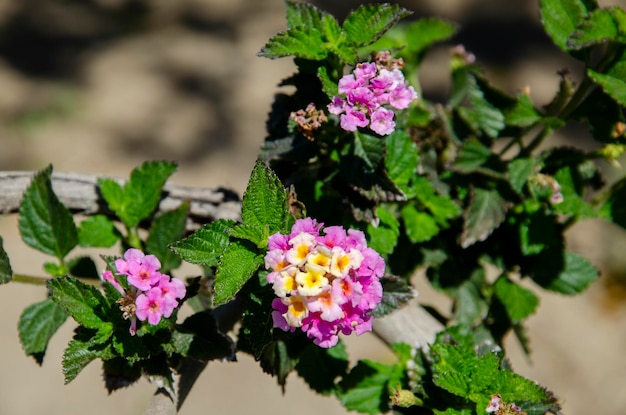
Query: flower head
point(150, 295)
point(366, 95)
point(326, 280)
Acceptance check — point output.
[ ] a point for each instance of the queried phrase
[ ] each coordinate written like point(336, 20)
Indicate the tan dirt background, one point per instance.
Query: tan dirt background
point(99, 86)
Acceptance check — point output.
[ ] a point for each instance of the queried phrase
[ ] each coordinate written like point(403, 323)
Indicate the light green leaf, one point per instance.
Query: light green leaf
point(568, 275)
point(441, 206)
point(420, 226)
point(384, 237)
point(140, 196)
point(303, 15)
point(97, 231)
point(523, 114)
point(37, 325)
point(573, 203)
point(401, 159)
point(167, 228)
point(423, 33)
point(206, 245)
point(518, 301)
point(298, 42)
point(237, 265)
point(44, 222)
point(329, 86)
point(83, 302)
point(369, 22)
point(485, 213)
point(453, 368)
point(6, 273)
point(600, 26)
point(264, 204)
point(561, 17)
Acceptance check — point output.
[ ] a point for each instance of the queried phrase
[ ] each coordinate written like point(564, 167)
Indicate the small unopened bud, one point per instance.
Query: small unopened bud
point(404, 398)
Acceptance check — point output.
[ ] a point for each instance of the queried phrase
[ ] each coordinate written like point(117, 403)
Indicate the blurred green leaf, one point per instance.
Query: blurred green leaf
point(6, 273)
point(165, 229)
point(484, 214)
point(472, 155)
point(613, 82)
point(519, 170)
point(561, 17)
point(364, 389)
point(600, 26)
point(518, 301)
point(523, 114)
point(570, 274)
point(420, 226)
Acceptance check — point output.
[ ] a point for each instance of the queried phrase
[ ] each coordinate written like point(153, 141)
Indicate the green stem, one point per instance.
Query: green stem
point(134, 241)
point(33, 280)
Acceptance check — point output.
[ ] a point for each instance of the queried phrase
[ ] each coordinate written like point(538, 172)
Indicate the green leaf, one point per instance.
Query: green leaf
point(573, 203)
point(303, 15)
point(519, 171)
point(472, 155)
point(321, 367)
point(518, 301)
point(98, 231)
point(613, 82)
point(401, 159)
point(6, 273)
point(485, 213)
point(37, 325)
point(264, 205)
point(85, 347)
point(441, 206)
point(523, 114)
point(300, 42)
point(206, 245)
point(167, 228)
point(561, 17)
point(140, 196)
point(257, 324)
point(44, 222)
point(396, 292)
point(368, 23)
point(420, 226)
point(568, 275)
point(364, 389)
point(469, 303)
point(329, 86)
point(453, 368)
point(237, 264)
point(600, 26)
point(83, 302)
point(384, 237)
point(423, 33)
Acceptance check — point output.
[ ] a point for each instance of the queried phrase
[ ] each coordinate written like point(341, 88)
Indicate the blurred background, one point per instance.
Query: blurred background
point(99, 86)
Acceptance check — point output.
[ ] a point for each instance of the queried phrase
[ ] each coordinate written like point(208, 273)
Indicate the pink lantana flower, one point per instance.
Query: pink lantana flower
point(368, 96)
point(150, 295)
point(327, 281)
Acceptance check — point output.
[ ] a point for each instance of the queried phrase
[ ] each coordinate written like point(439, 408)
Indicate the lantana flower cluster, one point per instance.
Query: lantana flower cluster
point(366, 95)
point(498, 407)
point(327, 282)
point(151, 295)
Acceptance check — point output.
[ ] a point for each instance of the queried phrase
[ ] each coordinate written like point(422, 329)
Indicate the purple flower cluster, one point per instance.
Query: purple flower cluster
point(151, 295)
point(498, 407)
point(365, 94)
point(327, 283)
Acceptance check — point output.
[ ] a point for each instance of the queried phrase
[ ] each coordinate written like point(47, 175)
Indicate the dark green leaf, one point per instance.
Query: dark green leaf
point(164, 230)
point(519, 171)
point(420, 226)
point(472, 155)
point(205, 246)
point(600, 26)
point(44, 222)
point(80, 352)
point(6, 273)
point(119, 373)
point(37, 325)
point(401, 159)
point(199, 338)
point(396, 292)
point(561, 17)
point(298, 42)
point(368, 23)
point(321, 367)
point(364, 389)
point(237, 265)
point(484, 214)
point(98, 231)
point(518, 301)
point(264, 204)
point(83, 302)
point(256, 322)
point(84, 267)
point(568, 275)
point(469, 303)
point(140, 196)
